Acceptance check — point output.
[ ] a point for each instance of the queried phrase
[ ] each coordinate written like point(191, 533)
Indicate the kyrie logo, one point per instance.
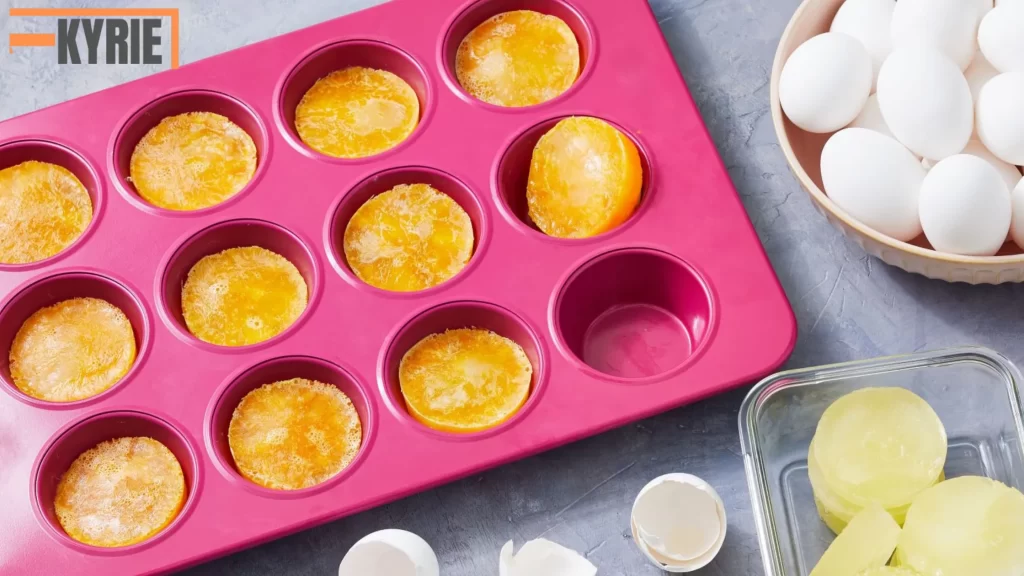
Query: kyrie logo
point(127, 36)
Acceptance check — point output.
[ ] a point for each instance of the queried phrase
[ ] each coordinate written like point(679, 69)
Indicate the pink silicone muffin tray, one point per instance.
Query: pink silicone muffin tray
point(677, 304)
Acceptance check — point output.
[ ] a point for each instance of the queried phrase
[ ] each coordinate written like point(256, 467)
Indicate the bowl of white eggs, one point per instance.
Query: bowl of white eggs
point(904, 121)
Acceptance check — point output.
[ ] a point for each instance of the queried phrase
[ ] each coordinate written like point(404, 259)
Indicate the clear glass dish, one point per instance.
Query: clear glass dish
point(976, 392)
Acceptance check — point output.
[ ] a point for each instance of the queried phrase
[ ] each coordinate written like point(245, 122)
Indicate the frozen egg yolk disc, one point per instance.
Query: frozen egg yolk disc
point(867, 542)
point(585, 179)
point(72, 350)
point(192, 161)
point(242, 296)
point(465, 380)
point(43, 209)
point(120, 492)
point(294, 434)
point(518, 58)
point(357, 112)
point(882, 445)
point(968, 525)
point(409, 238)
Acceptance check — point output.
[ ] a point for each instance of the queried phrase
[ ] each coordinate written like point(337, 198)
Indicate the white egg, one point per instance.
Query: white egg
point(965, 207)
point(978, 74)
point(867, 21)
point(390, 553)
point(926, 102)
point(1000, 117)
point(825, 82)
point(950, 26)
point(1001, 37)
point(1017, 222)
point(875, 179)
point(678, 521)
point(1008, 172)
point(984, 6)
point(871, 118)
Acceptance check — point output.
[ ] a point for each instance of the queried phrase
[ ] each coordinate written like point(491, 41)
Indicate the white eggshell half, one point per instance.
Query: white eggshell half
point(390, 553)
point(868, 21)
point(542, 556)
point(950, 26)
point(1017, 222)
point(926, 102)
point(825, 82)
point(875, 179)
point(1001, 37)
point(1008, 172)
point(871, 118)
point(965, 207)
point(1000, 116)
point(679, 521)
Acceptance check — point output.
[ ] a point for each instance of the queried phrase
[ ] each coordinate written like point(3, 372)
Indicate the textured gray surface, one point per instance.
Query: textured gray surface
point(849, 306)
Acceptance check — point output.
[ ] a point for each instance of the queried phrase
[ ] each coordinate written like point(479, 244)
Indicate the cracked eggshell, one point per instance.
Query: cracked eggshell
point(1000, 117)
point(1001, 37)
point(875, 179)
point(543, 557)
point(868, 21)
point(926, 102)
point(825, 82)
point(390, 553)
point(949, 26)
point(678, 521)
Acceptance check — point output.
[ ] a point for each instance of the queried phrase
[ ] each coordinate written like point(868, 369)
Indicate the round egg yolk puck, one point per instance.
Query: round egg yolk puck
point(357, 112)
point(242, 296)
point(120, 492)
point(464, 380)
point(294, 434)
point(192, 161)
point(518, 58)
point(72, 350)
point(585, 179)
point(43, 209)
point(409, 238)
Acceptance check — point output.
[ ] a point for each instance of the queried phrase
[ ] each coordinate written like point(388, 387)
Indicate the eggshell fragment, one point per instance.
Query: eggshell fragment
point(871, 118)
point(678, 522)
point(390, 553)
point(542, 556)
point(868, 21)
point(949, 26)
point(1017, 222)
point(926, 102)
point(1009, 173)
point(1001, 37)
point(825, 82)
point(875, 179)
point(1000, 117)
point(965, 206)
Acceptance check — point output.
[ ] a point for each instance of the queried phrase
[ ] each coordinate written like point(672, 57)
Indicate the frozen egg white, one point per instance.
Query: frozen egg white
point(1001, 37)
point(867, 21)
point(965, 207)
point(875, 179)
point(1000, 116)
point(978, 74)
point(825, 82)
point(871, 118)
point(541, 556)
point(1008, 172)
point(678, 521)
point(390, 553)
point(950, 26)
point(1017, 221)
point(926, 102)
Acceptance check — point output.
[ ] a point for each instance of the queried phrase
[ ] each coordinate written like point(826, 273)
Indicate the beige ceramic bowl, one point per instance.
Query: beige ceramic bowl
point(803, 152)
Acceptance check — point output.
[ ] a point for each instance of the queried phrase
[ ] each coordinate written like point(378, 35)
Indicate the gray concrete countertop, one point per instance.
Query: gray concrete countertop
point(849, 306)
